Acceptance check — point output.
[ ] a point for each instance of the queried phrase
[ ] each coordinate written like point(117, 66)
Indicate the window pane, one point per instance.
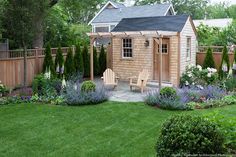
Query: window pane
point(127, 47)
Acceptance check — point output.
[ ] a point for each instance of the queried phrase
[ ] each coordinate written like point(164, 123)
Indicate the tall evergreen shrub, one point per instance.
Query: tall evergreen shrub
point(102, 60)
point(78, 60)
point(48, 61)
point(69, 64)
point(209, 60)
point(234, 64)
point(86, 61)
point(59, 62)
point(224, 61)
point(96, 66)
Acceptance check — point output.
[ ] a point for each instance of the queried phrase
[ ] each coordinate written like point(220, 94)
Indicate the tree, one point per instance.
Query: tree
point(69, 64)
point(48, 61)
point(39, 19)
point(96, 66)
point(78, 60)
point(209, 60)
point(217, 11)
point(102, 60)
point(86, 61)
point(18, 19)
point(81, 11)
point(232, 11)
point(225, 64)
point(195, 8)
point(59, 62)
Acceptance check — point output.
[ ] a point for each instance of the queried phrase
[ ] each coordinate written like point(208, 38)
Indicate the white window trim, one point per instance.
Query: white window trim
point(188, 57)
point(123, 57)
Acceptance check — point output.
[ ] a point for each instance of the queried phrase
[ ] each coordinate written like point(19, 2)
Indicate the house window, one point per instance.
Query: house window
point(127, 48)
point(164, 48)
point(101, 29)
point(188, 50)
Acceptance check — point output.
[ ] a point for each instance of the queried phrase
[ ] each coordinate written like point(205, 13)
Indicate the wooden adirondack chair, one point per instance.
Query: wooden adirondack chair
point(109, 78)
point(141, 80)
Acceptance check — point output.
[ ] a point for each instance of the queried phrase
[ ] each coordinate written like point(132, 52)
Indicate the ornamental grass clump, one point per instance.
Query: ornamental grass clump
point(185, 135)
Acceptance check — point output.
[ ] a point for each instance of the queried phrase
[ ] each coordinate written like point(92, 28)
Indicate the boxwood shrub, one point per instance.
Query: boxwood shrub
point(189, 135)
point(88, 86)
point(168, 91)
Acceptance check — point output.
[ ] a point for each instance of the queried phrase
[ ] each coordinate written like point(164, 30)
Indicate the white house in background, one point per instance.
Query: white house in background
point(220, 23)
point(112, 13)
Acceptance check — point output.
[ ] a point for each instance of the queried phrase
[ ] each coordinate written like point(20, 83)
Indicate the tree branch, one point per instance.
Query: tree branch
point(53, 2)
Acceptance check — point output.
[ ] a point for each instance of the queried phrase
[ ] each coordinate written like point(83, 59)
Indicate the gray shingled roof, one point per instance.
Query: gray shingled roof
point(115, 15)
point(159, 23)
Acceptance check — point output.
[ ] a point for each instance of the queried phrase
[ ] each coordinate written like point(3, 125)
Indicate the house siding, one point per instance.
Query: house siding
point(173, 63)
point(142, 58)
point(187, 32)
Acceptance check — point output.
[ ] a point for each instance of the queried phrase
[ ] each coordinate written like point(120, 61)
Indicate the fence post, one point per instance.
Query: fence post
point(36, 61)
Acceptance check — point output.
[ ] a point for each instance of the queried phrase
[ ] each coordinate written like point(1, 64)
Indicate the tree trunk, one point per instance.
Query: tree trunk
point(38, 38)
point(25, 66)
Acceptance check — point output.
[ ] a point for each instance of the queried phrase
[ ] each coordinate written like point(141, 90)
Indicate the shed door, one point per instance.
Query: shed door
point(165, 60)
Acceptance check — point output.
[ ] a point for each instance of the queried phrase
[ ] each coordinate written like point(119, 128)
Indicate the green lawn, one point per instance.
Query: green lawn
point(106, 130)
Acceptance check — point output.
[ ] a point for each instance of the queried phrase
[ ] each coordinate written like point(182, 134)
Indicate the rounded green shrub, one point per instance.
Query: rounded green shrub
point(189, 135)
point(168, 92)
point(88, 86)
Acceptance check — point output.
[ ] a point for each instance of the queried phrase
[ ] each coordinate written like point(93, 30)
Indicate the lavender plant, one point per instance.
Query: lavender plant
point(74, 96)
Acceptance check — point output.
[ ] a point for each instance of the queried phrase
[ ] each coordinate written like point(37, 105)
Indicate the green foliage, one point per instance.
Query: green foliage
point(59, 62)
point(88, 86)
point(78, 60)
point(227, 100)
point(86, 61)
point(230, 84)
point(48, 61)
point(168, 91)
point(69, 64)
point(209, 60)
point(227, 126)
point(96, 66)
point(102, 60)
point(225, 64)
point(39, 84)
point(185, 134)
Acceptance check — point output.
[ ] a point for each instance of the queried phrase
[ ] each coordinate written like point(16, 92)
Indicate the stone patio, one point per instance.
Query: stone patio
point(122, 92)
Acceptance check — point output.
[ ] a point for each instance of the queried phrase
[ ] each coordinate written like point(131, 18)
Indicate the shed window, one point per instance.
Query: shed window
point(188, 50)
point(127, 48)
point(164, 48)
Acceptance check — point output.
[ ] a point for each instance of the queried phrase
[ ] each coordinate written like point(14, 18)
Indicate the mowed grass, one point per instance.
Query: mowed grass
point(111, 129)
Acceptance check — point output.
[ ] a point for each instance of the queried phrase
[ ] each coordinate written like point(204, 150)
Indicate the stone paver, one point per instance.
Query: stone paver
point(122, 92)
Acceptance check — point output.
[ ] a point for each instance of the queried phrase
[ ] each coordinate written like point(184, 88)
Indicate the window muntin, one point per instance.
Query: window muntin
point(188, 49)
point(127, 50)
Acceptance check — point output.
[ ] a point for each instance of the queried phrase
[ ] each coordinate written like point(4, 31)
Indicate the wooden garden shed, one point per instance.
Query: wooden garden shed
point(164, 45)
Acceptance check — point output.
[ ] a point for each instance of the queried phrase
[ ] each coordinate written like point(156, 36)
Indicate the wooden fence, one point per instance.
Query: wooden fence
point(217, 55)
point(12, 65)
